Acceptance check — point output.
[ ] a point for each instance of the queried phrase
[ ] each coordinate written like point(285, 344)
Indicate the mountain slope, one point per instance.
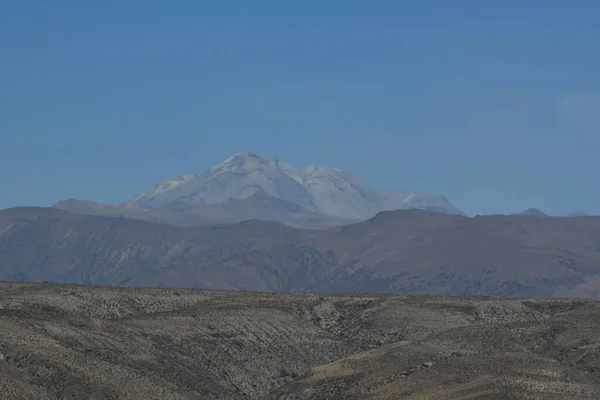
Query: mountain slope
point(507, 255)
point(86, 342)
point(93, 208)
point(197, 213)
point(509, 349)
point(396, 251)
point(38, 244)
point(323, 190)
point(533, 212)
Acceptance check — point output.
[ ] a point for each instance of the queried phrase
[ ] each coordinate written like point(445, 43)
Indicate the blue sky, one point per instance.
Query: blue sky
point(494, 104)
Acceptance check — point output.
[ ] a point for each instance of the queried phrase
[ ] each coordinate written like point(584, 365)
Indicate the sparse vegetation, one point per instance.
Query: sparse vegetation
point(74, 342)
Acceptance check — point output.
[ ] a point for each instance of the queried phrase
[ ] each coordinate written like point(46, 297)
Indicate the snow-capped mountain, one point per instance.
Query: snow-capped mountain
point(327, 191)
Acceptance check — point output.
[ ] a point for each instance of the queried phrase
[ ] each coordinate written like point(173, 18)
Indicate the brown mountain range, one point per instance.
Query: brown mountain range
point(396, 251)
point(197, 213)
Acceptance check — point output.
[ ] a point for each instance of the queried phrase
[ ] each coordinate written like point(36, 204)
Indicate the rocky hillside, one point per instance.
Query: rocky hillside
point(74, 342)
point(396, 251)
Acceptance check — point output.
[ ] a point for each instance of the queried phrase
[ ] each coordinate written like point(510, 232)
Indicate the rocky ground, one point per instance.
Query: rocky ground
point(76, 342)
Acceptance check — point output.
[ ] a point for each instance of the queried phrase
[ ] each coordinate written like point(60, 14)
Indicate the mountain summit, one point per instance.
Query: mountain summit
point(323, 190)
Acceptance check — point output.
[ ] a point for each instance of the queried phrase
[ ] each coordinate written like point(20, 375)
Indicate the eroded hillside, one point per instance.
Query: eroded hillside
point(73, 342)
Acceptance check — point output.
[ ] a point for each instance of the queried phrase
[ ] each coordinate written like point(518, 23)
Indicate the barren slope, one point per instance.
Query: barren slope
point(73, 342)
point(415, 250)
point(400, 251)
point(38, 244)
point(197, 213)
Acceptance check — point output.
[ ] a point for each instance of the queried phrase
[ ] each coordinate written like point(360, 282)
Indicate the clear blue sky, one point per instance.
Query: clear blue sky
point(495, 104)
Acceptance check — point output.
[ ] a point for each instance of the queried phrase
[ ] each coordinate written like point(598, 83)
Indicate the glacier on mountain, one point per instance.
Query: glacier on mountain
point(327, 191)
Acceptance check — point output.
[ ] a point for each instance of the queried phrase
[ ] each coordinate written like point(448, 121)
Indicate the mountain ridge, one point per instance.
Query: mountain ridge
point(188, 213)
point(395, 251)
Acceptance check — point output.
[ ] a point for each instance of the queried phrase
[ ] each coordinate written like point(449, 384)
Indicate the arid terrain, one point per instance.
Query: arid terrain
point(400, 251)
point(75, 342)
point(195, 213)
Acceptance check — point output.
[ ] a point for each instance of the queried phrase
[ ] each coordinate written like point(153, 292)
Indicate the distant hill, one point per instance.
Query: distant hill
point(576, 214)
point(197, 213)
point(395, 251)
point(533, 212)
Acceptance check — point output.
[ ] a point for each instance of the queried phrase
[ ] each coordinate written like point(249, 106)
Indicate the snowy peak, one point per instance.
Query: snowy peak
point(238, 177)
point(246, 161)
point(324, 190)
point(169, 185)
point(318, 170)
